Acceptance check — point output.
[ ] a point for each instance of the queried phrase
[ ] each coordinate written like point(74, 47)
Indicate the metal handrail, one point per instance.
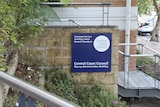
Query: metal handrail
point(70, 20)
point(41, 95)
point(155, 54)
point(147, 47)
point(137, 55)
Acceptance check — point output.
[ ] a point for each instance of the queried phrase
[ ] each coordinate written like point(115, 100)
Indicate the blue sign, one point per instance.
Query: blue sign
point(91, 52)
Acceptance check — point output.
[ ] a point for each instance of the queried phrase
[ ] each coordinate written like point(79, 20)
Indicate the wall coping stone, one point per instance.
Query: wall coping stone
point(110, 26)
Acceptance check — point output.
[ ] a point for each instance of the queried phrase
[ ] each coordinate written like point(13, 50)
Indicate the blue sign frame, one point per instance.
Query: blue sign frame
point(91, 52)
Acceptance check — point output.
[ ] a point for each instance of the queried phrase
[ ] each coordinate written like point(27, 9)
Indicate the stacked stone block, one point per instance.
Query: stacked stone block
point(54, 48)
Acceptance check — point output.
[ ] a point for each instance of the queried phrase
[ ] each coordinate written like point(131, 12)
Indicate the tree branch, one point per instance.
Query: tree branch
point(11, 70)
point(156, 6)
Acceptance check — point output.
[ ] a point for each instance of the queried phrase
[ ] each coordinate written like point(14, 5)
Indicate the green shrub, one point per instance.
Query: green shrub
point(60, 83)
point(53, 0)
point(97, 96)
point(148, 66)
point(11, 99)
point(144, 61)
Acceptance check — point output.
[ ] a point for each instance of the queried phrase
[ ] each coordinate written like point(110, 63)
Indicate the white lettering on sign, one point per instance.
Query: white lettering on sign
point(82, 39)
point(91, 64)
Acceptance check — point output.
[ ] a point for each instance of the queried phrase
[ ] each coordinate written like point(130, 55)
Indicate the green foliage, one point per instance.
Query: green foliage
point(30, 18)
point(53, 0)
point(21, 21)
point(11, 99)
point(148, 66)
point(97, 96)
point(64, 1)
point(144, 61)
point(60, 84)
point(145, 6)
point(63, 85)
point(6, 25)
point(29, 71)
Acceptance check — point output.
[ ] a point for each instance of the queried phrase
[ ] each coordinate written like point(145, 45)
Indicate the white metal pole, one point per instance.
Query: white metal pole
point(127, 40)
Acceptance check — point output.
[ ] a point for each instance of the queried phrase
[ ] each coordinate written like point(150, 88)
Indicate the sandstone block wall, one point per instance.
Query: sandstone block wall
point(53, 47)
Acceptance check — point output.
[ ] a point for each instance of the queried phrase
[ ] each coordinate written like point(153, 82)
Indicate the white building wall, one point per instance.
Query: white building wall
point(91, 16)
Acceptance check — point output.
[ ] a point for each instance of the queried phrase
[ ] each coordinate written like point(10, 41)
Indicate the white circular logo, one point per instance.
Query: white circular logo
point(101, 43)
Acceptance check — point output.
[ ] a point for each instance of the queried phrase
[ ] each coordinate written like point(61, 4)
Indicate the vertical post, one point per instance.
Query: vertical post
point(103, 15)
point(31, 102)
point(127, 41)
point(22, 100)
point(158, 67)
point(103, 12)
point(155, 69)
point(107, 15)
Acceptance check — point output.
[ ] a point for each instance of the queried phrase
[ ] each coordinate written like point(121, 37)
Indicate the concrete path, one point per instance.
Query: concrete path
point(145, 40)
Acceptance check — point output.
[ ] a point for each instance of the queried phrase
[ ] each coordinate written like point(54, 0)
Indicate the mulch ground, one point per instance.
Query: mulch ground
point(143, 102)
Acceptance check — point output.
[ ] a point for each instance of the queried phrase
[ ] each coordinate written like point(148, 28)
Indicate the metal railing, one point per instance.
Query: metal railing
point(140, 48)
point(38, 94)
point(155, 55)
point(72, 22)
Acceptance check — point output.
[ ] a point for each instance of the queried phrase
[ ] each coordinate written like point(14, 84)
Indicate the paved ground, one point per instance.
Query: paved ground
point(146, 41)
point(147, 102)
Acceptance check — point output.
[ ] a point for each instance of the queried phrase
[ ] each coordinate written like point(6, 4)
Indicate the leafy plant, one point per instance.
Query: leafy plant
point(149, 66)
point(12, 98)
point(60, 83)
point(64, 1)
point(53, 0)
point(63, 85)
point(144, 61)
point(97, 96)
point(21, 21)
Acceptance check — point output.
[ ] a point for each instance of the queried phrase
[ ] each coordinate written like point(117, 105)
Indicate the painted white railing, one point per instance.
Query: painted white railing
point(155, 55)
